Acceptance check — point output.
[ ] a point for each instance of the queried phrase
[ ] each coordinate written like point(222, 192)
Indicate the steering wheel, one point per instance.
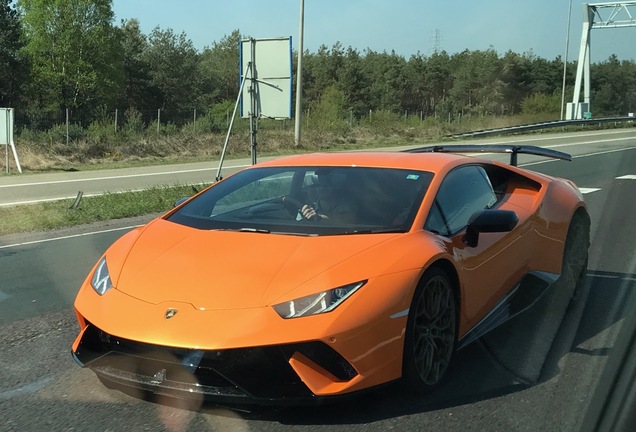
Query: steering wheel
point(292, 205)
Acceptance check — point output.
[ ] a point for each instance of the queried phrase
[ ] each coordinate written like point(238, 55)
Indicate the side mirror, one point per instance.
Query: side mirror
point(489, 221)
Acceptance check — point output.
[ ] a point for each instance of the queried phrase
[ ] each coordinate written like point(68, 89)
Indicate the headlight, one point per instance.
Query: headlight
point(101, 278)
point(315, 304)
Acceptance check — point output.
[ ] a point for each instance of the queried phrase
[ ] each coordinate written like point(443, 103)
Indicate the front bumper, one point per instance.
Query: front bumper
point(258, 375)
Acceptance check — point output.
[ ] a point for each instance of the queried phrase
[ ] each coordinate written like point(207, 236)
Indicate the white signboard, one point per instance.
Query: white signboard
point(266, 65)
point(6, 126)
point(6, 135)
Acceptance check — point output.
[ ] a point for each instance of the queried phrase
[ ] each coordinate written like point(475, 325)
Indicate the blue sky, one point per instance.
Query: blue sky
point(406, 26)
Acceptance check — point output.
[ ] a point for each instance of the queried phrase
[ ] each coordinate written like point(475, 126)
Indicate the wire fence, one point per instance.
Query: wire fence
point(71, 122)
point(41, 121)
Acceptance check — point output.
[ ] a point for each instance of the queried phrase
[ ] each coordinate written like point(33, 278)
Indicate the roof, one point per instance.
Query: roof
point(433, 162)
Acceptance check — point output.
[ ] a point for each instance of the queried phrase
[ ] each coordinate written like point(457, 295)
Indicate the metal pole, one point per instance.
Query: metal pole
point(299, 74)
point(7, 147)
point(5, 120)
point(115, 120)
point(565, 60)
point(229, 130)
point(584, 59)
point(158, 119)
point(67, 127)
point(253, 107)
point(12, 143)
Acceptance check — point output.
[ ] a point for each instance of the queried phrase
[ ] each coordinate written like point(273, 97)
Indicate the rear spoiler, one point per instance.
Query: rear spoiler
point(514, 150)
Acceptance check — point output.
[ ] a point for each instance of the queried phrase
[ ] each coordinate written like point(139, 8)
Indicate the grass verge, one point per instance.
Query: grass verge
point(54, 215)
point(58, 214)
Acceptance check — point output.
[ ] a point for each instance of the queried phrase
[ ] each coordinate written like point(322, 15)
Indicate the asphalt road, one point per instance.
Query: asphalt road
point(536, 373)
point(19, 189)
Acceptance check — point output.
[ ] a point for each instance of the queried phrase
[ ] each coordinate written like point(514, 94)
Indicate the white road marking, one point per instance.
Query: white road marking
point(626, 177)
point(568, 145)
point(9, 204)
point(587, 142)
point(44, 200)
point(3, 296)
point(68, 237)
point(603, 152)
point(537, 162)
point(558, 137)
point(605, 276)
point(25, 390)
point(589, 190)
point(577, 157)
point(116, 177)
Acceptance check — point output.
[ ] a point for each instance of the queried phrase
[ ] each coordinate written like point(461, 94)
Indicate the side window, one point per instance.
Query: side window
point(464, 191)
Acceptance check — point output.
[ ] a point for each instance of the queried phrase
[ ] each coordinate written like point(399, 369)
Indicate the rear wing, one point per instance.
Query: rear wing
point(514, 150)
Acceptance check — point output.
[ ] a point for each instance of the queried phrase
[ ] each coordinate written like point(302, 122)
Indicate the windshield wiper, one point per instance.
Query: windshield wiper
point(244, 229)
point(254, 230)
point(376, 231)
point(295, 233)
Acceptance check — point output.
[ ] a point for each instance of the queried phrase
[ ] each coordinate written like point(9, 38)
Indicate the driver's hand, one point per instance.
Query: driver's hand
point(308, 212)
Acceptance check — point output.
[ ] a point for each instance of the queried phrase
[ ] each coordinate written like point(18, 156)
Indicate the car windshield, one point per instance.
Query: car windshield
point(310, 201)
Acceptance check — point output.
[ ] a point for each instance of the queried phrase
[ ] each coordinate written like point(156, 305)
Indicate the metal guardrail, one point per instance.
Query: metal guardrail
point(539, 126)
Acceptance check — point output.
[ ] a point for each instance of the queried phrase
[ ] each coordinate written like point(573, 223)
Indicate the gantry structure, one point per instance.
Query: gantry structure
point(596, 16)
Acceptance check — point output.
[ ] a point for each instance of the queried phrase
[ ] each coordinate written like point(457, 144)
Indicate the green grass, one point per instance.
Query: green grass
point(59, 214)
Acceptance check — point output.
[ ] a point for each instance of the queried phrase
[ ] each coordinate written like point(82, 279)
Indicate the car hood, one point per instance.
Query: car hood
point(230, 270)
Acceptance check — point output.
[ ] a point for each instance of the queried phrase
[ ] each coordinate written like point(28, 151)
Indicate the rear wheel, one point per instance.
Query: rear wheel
point(575, 253)
point(431, 332)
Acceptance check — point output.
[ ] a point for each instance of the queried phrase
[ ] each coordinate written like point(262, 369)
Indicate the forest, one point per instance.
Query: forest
point(67, 69)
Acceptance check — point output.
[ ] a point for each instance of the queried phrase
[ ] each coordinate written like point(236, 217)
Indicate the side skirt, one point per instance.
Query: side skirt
point(521, 298)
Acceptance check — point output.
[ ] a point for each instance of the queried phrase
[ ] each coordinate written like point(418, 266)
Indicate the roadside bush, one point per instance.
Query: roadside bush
point(542, 104)
point(219, 116)
point(203, 125)
point(100, 131)
point(165, 129)
point(329, 114)
point(58, 134)
point(31, 136)
point(383, 122)
point(134, 122)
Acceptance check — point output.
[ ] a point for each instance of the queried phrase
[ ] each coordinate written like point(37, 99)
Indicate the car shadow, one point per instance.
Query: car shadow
point(524, 352)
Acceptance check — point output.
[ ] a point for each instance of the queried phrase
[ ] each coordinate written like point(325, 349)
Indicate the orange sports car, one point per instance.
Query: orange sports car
point(322, 275)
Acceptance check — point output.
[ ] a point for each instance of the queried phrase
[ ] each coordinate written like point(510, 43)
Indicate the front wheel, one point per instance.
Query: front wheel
point(431, 332)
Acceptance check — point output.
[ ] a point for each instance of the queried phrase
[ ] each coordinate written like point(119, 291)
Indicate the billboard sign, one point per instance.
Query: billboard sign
point(266, 66)
point(6, 135)
point(6, 126)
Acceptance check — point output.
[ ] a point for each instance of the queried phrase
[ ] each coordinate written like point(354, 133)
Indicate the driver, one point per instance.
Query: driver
point(331, 202)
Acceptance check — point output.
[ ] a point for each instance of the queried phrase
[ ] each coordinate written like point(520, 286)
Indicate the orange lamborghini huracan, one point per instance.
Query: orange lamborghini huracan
point(321, 275)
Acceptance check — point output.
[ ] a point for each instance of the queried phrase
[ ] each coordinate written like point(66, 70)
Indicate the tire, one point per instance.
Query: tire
point(575, 253)
point(431, 332)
